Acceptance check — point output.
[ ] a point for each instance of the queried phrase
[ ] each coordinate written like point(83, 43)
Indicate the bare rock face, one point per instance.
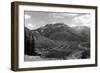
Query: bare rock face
point(29, 43)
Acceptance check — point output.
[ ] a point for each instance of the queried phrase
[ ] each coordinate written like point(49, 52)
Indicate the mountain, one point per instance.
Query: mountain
point(83, 31)
point(61, 32)
point(59, 38)
point(42, 41)
point(33, 41)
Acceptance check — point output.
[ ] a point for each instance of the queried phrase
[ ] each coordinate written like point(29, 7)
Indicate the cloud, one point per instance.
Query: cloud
point(84, 20)
point(27, 16)
point(63, 15)
point(69, 14)
point(31, 26)
point(56, 15)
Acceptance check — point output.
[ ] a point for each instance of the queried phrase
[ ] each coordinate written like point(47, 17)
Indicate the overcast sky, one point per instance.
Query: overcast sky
point(34, 19)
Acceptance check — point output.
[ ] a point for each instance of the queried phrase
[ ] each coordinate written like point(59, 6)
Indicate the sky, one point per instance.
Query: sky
point(37, 19)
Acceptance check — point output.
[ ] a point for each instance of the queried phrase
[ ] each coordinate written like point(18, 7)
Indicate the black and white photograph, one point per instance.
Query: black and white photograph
point(53, 36)
point(56, 35)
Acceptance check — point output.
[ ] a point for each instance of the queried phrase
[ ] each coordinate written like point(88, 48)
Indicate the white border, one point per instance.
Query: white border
point(23, 64)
